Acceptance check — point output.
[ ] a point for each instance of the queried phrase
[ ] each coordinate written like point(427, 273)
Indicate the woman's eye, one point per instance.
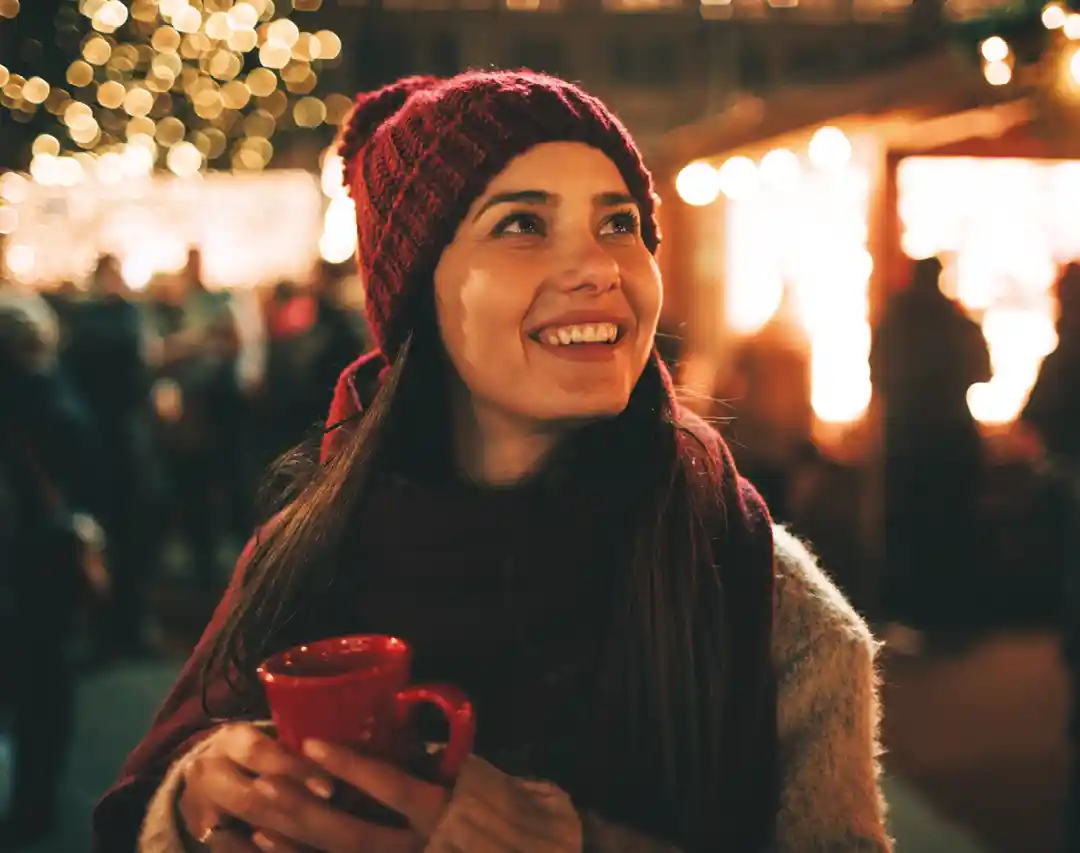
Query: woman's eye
point(520, 223)
point(622, 223)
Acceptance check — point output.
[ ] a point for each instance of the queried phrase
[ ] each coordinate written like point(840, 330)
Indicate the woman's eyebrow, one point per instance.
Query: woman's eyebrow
point(605, 199)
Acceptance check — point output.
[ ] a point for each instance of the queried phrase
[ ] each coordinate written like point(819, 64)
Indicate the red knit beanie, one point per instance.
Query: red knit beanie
point(420, 151)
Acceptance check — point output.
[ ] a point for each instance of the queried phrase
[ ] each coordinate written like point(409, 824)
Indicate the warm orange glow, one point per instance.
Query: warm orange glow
point(252, 230)
point(800, 223)
point(338, 241)
point(1002, 227)
point(698, 184)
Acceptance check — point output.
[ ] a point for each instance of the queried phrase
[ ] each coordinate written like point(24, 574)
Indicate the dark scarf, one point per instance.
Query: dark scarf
point(507, 589)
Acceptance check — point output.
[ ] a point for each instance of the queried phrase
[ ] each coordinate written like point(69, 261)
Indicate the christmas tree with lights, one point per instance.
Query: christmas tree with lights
point(179, 84)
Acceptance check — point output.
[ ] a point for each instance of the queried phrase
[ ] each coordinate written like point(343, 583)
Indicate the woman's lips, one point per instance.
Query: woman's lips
point(577, 334)
point(580, 341)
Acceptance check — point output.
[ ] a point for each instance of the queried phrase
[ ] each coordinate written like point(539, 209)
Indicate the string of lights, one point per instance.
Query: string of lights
point(1031, 44)
point(185, 85)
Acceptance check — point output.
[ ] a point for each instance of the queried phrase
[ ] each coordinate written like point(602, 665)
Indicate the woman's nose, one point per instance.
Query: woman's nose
point(590, 267)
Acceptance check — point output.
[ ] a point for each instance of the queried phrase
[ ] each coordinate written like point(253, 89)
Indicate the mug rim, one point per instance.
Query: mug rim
point(269, 674)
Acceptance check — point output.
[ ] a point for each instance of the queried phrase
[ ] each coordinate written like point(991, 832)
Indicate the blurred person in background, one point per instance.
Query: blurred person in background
point(343, 329)
point(1052, 411)
point(52, 549)
point(293, 346)
point(926, 353)
point(201, 360)
point(313, 337)
point(772, 431)
point(63, 297)
point(509, 484)
point(1050, 423)
point(110, 355)
point(241, 467)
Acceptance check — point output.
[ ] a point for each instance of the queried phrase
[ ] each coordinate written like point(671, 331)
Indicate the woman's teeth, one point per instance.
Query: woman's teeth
point(592, 333)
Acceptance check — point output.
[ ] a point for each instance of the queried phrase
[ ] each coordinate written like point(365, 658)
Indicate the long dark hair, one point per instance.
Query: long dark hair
point(669, 657)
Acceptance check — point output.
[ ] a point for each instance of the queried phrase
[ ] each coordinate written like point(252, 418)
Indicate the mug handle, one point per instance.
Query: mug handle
point(457, 709)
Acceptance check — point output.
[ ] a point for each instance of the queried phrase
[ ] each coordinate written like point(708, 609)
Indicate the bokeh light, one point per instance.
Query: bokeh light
point(179, 72)
point(798, 222)
point(698, 184)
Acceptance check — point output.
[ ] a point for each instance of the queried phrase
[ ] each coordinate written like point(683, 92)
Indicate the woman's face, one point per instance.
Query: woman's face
point(547, 298)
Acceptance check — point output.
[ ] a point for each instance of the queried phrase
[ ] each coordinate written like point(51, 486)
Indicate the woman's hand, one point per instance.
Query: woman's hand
point(227, 782)
point(421, 803)
point(297, 828)
point(487, 812)
point(243, 776)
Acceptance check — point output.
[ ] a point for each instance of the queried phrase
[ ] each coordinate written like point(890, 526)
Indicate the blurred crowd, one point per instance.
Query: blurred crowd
point(134, 430)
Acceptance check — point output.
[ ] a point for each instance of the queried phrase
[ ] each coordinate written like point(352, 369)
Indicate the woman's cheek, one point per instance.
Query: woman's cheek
point(492, 319)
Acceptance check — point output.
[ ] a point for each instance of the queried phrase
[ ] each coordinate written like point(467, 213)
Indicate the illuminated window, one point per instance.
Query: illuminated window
point(534, 5)
point(871, 10)
point(642, 5)
point(834, 10)
point(750, 8)
point(813, 10)
point(415, 5)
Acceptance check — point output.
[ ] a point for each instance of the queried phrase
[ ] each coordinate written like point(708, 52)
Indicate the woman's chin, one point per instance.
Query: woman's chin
point(583, 407)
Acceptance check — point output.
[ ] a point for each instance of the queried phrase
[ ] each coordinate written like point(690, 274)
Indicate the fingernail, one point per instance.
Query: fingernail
point(262, 842)
point(320, 788)
point(316, 749)
point(267, 789)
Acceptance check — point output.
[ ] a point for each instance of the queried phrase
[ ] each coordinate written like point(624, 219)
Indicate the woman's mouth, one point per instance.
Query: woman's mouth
point(579, 334)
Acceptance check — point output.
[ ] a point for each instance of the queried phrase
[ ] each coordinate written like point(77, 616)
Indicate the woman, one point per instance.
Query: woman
point(508, 484)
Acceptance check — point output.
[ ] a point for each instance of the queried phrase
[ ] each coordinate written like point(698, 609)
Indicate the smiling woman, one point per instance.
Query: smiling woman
point(547, 299)
point(509, 486)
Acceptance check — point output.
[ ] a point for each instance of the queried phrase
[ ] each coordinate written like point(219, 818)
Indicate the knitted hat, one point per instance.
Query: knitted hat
point(420, 151)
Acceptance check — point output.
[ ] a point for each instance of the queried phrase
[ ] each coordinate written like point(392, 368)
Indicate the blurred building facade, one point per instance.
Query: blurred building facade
point(659, 63)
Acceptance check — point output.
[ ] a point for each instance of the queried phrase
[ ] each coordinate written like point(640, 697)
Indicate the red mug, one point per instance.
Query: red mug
point(355, 691)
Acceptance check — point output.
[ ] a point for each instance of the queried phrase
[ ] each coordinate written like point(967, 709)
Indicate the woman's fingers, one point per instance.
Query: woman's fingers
point(226, 788)
point(261, 755)
point(230, 792)
point(271, 842)
point(284, 812)
point(276, 803)
point(247, 776)
point(252, 753)
point(421, 803)
point(228, 841)
point(325, 828)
